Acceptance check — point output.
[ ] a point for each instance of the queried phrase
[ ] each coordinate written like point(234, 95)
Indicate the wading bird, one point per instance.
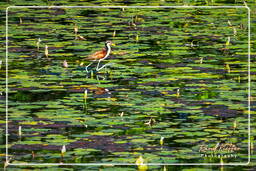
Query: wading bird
point(100, 55)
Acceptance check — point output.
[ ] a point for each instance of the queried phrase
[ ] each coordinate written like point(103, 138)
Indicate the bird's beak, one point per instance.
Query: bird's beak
point(113, 44)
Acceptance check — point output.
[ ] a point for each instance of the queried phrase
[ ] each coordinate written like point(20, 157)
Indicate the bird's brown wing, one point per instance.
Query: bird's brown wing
point(98, 55)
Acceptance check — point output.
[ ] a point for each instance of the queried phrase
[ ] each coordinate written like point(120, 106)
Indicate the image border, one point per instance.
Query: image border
point(7, 162)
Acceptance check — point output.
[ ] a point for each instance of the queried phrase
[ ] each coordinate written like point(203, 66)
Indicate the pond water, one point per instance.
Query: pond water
point(177, 79)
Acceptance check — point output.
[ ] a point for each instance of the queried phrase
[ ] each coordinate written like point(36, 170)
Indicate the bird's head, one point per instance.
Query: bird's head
point(110, 43)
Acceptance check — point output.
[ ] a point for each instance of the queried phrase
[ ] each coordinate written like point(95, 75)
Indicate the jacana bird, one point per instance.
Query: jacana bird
point(100, 55)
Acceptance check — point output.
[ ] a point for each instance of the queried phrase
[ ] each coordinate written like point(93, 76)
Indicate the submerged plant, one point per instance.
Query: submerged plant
point(221, 164)
point(19, 131)
point(234, 28)
point(228, 68)
point(140, 163)
point(228, 41)
point(76, 31)
point(142, 167)
point(234, 31)
point(63, 151)
point(161, 141)
point(46, 51)
point(137, 38)
point(114, 34)
point(139, 160)
point(85, 100)
point(201, 60)
point(38, 44)
point(229, 23)
point(33, 154)
point(21, 20)
point(239, 79)
point(178, 92)
point(234, 125)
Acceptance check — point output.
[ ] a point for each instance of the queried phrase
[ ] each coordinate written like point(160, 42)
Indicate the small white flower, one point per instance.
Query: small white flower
point(63, 150)
point(19, 131)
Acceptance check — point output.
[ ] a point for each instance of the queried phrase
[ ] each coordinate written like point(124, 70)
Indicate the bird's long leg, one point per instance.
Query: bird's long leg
point(97, 68)
point(86, 68)
point(104, 66)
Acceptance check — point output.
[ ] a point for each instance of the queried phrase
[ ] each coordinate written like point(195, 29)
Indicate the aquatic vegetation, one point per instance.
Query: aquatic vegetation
point(20, 132)
point(38, 43)
point(65, 64)
point(76, 31)
point(46, 51)
point(63, 151)
point(85, 100)
point(121, 114)
point(172, 83)
point(161, 141)
point(139, 160)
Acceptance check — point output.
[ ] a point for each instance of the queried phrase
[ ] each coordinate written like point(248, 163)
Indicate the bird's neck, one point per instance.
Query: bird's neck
point(108, 49)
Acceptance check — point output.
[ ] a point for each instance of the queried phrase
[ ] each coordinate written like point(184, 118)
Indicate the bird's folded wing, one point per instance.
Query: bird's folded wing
point(98, 55)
